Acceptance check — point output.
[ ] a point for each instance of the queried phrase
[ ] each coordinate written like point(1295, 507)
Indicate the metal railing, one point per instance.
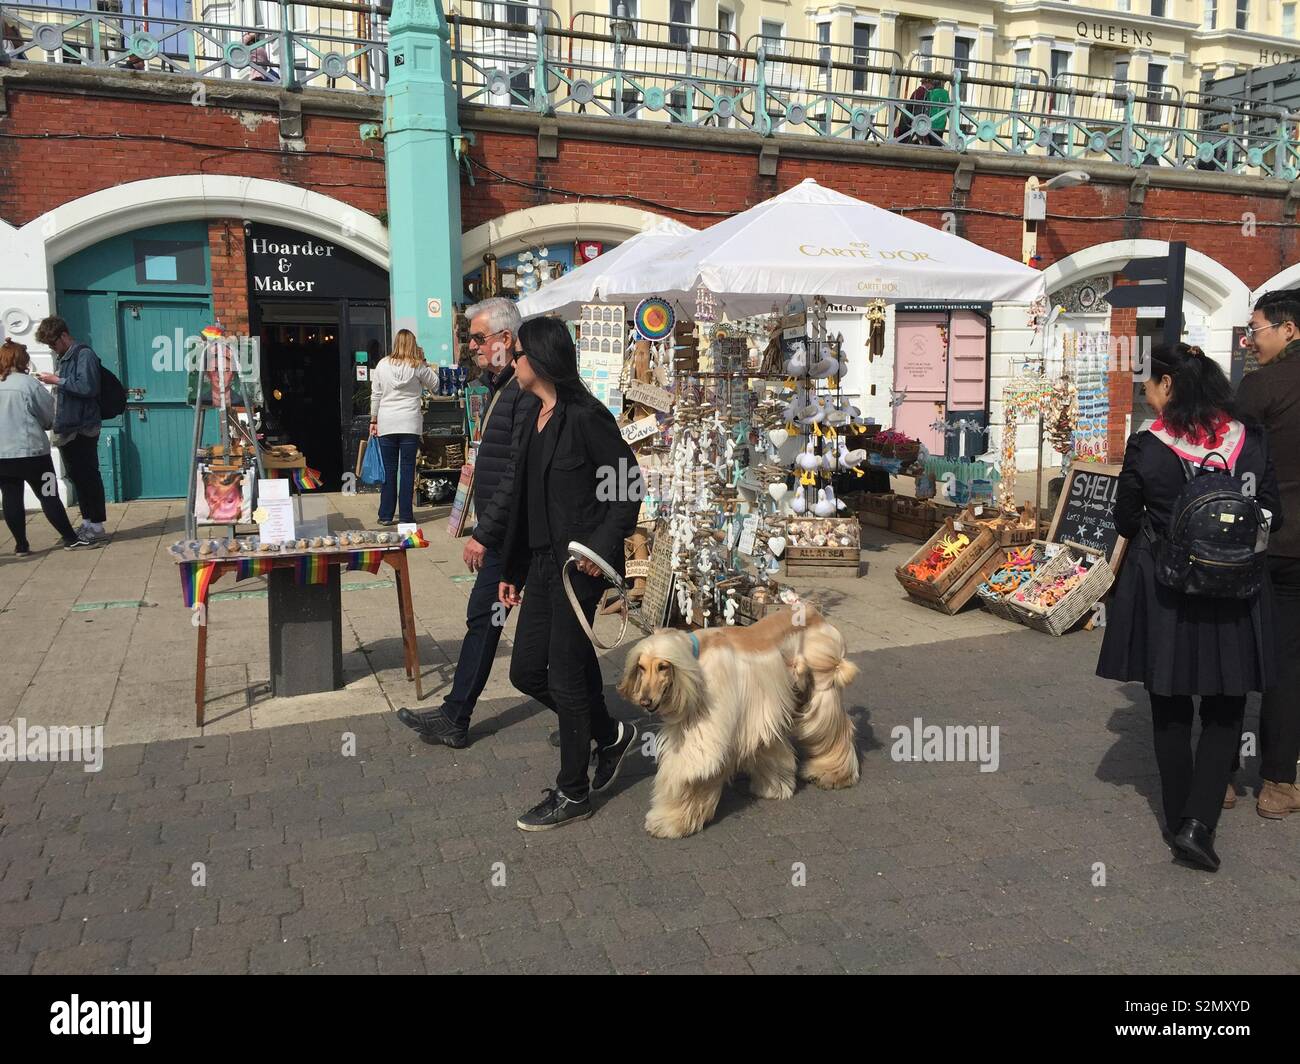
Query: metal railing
point(520, 56)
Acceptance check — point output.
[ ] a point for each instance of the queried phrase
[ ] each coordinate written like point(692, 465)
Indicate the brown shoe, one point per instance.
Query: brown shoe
point(1278, 800)
point(1230, 799)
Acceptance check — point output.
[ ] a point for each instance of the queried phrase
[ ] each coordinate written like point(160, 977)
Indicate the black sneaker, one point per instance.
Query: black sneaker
point(22, 552)
point(435, 728)
point(82, 542)
point(553, 811)
point(609, 758)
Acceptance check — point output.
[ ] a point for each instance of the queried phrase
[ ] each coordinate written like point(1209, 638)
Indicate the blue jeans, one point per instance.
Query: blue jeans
point(479, 648)
point(395, 446)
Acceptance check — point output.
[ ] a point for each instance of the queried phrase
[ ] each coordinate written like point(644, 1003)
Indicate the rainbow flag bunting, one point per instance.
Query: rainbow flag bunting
point(307, 479)
point(252, 567)
point(368, 560)
point(415, 539)
point(196, 577)
point(311, 568)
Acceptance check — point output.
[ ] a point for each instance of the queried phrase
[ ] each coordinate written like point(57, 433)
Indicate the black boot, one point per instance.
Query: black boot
point(435, 727)
point(1195, 843)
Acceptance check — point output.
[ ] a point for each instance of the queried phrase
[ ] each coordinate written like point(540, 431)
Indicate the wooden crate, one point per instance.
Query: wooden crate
point(875, 509)
point(953, 588)
point(1009, 533)
point(957, 597)
point(823, 561)
point(913, 519)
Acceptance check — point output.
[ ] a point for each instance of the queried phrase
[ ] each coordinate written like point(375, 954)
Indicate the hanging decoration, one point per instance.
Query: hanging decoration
point(875, 330)
point(654, 319)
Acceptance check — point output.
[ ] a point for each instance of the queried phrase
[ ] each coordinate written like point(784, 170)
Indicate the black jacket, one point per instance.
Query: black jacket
point(1153, 478)
point(593, 491)
point(493, 466)
point(1271, 396)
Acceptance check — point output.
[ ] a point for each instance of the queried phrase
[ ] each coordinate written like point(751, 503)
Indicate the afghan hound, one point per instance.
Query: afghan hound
point(741, 700)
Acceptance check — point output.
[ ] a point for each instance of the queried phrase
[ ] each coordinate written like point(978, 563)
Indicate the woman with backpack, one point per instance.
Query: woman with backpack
point(1191, 607)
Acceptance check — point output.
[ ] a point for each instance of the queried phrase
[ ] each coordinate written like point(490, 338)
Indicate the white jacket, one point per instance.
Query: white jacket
point(395, 395)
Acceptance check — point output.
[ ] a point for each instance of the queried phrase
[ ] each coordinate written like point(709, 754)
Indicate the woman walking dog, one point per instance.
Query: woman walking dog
point(1177, 622)
point(575, 480)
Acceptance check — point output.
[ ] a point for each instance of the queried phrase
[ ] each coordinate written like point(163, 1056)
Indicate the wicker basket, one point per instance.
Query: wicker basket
point(1000, 604)
point(1063, 616)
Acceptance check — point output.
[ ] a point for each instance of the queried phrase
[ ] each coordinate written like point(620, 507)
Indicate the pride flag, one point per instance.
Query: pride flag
point(196, 577)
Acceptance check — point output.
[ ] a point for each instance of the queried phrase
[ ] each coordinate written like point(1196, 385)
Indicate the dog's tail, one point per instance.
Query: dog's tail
point(822, 729)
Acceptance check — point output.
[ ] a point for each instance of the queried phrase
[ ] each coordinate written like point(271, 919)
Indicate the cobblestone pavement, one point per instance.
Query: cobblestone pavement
point(404, 858)
point(262, 846)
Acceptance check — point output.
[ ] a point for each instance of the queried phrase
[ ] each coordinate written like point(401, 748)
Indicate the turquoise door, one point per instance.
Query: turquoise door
point(159, 424)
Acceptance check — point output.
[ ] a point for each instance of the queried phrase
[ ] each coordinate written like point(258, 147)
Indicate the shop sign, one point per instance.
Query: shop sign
point(647, 395)
point(640, 429)
point(940, 307)
point(1085, 513)
point(1109, 33)
point(284, 262)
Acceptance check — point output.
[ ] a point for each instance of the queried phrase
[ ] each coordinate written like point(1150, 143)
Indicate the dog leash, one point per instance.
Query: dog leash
point(578, 551)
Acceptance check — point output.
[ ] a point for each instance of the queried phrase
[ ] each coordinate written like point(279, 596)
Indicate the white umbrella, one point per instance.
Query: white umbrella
point(585, 284)
point(813, 241)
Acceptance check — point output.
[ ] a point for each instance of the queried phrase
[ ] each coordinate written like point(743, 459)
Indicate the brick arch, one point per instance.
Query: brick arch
point(551, 223)
point(89, 219)
point(1288, 278)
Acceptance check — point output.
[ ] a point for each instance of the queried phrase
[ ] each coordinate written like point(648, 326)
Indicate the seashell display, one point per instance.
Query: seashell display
point(316, 541)
point(385, 538)
point(301, 544)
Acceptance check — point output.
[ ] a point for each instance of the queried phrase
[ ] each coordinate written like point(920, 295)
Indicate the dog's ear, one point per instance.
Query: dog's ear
point(627, 686)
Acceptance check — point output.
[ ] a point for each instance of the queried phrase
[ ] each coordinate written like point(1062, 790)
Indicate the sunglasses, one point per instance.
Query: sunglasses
point(479, 339)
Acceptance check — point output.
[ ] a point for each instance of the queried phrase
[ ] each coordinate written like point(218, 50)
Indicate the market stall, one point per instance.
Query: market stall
point(731, 383)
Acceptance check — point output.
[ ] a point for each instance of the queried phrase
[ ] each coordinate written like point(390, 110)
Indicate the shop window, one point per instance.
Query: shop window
point(169, 262)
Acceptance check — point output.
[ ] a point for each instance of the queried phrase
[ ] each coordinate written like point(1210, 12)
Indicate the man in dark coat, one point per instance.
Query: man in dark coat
point(1271, 396)
point(493, 324)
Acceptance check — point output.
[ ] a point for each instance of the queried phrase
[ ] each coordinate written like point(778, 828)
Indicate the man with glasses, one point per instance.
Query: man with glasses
point(493, 325)
point(1271, 396)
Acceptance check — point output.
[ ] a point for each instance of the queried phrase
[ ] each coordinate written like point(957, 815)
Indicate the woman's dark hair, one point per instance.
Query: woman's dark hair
point(552, 356)
point(1201, 393)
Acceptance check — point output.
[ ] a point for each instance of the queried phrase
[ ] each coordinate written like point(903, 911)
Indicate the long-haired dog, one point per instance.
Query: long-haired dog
point(743, 700)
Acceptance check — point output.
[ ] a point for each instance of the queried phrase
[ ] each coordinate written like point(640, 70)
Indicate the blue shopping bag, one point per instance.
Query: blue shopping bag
point(372, 465)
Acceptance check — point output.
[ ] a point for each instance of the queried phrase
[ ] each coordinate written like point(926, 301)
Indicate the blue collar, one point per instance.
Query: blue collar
point(695, 644)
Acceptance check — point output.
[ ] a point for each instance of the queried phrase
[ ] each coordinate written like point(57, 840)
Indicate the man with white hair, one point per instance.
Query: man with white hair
point(493, 327)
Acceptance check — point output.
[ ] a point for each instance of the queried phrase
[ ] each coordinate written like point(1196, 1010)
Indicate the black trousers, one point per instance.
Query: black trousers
point(1279, 713)
point(555, 663)
point(38, 473)
point(1193, 786)
point(81, 459)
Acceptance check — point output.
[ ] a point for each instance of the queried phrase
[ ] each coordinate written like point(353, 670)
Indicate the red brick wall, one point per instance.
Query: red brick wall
point(114, 141)
point(229, 278)
point(717, 181)
point(118, 140)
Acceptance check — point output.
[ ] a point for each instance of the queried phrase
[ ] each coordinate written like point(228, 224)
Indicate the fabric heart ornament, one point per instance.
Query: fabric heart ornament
point(778, 437)
point(776, 544)
point(777, 491)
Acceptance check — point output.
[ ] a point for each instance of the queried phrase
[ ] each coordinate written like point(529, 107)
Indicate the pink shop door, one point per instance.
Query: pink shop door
point(968, 363)
point(920, 370)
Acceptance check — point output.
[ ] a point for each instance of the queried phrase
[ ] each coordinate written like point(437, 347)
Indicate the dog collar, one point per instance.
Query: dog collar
point(695, 644)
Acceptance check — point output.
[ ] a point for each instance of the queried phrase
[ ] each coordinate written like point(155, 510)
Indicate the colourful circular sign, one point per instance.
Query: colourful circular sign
point(654, 319)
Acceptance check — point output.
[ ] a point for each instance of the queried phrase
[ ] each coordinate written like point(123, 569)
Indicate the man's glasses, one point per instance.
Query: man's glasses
point(1251, 330)
point(479, 339)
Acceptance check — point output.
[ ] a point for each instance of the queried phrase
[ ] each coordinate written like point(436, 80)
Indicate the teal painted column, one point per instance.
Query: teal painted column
point(420, 137)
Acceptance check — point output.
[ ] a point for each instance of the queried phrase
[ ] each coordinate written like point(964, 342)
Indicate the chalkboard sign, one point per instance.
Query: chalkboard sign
point(1085, 513)
point(1244, 359)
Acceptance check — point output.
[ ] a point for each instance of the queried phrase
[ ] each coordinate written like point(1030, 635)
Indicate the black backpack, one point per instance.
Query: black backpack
point(1217, 541)
point(112, 396)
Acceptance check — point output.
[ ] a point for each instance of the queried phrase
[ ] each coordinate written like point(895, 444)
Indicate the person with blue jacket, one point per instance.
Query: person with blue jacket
point(76, 419)
point(26, 414)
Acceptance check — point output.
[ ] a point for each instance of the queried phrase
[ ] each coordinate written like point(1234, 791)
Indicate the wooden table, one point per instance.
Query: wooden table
point(393, 556)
